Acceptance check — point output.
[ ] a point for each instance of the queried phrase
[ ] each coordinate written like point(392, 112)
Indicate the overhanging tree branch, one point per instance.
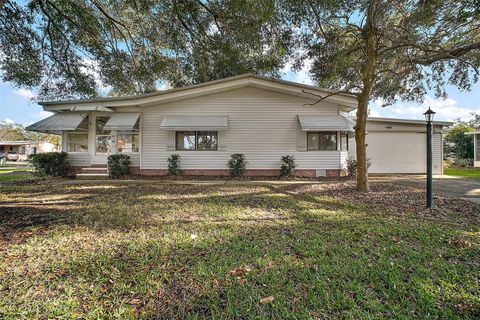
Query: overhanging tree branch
point(449, 54)
point(346, 91)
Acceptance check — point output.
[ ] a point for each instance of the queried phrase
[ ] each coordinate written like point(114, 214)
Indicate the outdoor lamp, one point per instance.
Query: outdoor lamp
point(429, 118)
point(429, 115)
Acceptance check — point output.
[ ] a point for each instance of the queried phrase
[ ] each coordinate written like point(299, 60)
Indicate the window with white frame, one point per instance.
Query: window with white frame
point(196, 140)
point(77, 141)
point(129, 141)
point(321, 140)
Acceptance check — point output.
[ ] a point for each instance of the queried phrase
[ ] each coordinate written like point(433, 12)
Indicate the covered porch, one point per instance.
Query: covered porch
point(90, 135)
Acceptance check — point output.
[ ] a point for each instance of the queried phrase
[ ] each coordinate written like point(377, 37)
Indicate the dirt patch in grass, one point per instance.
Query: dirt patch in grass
point(387, 198)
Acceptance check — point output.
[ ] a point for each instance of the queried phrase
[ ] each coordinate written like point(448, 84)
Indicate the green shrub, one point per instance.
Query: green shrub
point(352, 166)
point(464, 162)
point(237, 165)
point(288, 166)
point(118, 165)
point(174, 165)
point(50, 164)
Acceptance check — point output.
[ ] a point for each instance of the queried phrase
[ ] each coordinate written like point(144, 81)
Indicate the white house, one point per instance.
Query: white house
point(260, 117)
point(26, 148)
point(476, 147)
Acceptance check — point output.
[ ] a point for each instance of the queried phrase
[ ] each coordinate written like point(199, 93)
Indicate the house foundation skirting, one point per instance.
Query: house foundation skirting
point(301, 173)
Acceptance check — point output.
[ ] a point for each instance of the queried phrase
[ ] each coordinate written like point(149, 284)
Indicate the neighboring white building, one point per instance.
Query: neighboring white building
point(260, 117)
point(26, 148)
point(476, 147)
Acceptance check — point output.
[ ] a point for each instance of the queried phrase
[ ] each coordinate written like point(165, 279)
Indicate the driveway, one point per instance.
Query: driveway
point(463, 188)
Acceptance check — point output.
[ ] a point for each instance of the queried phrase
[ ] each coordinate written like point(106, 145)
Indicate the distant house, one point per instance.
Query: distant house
point(260, 117)
point(26, 148)
point(476, 147)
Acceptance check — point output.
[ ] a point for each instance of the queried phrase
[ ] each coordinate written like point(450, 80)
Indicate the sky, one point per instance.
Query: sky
point(17, 106)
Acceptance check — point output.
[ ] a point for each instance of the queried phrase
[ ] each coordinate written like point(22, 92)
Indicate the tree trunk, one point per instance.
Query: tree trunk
point(360, 133)
point(368, 71)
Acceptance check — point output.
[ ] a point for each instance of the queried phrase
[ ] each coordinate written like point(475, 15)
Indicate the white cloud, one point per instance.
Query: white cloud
point(8, 121)
point(25, 93)
point(373, 113)
point(446, 109)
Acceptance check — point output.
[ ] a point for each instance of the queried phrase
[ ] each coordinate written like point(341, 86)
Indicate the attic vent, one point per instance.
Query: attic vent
point(388, 127)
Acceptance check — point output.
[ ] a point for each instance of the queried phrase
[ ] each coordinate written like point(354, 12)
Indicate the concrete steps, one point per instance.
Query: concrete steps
point(92, 176)
point(93, 173)
point(94, 170)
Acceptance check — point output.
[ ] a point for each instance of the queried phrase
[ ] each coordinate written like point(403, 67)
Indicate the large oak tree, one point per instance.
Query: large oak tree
point(387, 50)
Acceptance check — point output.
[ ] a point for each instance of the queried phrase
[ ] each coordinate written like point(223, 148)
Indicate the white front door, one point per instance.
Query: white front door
point(104, 140)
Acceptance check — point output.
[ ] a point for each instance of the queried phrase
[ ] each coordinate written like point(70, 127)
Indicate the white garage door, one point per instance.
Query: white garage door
point(397, 152)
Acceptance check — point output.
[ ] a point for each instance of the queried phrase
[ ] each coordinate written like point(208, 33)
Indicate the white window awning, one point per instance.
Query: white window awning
point(209, 123)
point(57, 123)
point(122, 121)
point(326, 123)
point(90, 108)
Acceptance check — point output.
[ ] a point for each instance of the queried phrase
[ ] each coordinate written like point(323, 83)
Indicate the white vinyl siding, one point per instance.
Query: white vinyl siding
point(261, 124)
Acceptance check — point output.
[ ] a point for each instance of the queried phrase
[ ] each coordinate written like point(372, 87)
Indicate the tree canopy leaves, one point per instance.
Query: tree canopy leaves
point(67, 48)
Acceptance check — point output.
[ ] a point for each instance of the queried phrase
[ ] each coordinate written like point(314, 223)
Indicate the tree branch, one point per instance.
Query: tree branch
point(346, 91)
point(449, 54)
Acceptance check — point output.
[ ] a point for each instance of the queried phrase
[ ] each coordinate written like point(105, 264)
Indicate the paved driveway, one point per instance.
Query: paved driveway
point(463, 188)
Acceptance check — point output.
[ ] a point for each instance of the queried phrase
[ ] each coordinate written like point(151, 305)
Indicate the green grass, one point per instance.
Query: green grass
point(128, 251)
point(15, 174)
point(463, 172)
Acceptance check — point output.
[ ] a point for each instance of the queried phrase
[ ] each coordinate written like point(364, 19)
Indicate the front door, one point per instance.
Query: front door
point(104, 141)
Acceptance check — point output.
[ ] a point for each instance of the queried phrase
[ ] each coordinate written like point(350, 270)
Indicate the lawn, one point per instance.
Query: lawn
point(160, 251)
point(14, 174)
point(463, 172)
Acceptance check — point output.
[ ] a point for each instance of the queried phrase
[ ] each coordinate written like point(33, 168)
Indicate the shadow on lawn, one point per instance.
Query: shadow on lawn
point(339, 269)
point(174, 252)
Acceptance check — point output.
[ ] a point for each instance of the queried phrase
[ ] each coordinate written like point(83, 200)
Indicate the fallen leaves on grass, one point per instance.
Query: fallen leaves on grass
point(460, 243)
point(239, 271)
point(385, 198)
point(266, 300)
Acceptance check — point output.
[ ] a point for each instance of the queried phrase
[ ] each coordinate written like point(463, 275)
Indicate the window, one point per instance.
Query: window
point(344, 141)
point(196, 140)
point(103, 138)
point(129, 141)
point(322, 140)
point(77, 141)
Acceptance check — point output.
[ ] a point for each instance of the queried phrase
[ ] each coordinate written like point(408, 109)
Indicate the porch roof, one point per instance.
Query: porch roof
point(57, 123)
point(122, 121)
point(194, 123)
point(90, 108)
point(325, 123)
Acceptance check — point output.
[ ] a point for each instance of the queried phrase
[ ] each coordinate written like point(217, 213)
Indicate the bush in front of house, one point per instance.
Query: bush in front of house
point(352, 166)
point(118, 165)
point(464, 163)
point(174, 165)
point(237, 165)
point(50, 164)
point(288, 166)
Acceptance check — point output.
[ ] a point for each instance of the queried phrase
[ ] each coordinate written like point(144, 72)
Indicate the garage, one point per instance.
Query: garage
point(396, 146)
